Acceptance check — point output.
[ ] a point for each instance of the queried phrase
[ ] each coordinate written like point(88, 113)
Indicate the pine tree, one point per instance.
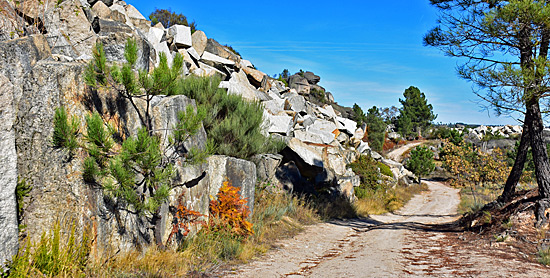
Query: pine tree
point(506, 46)
point(421, 162)
point(376, 128)
point(359, 117)
point(168, 18)
point(416, 114)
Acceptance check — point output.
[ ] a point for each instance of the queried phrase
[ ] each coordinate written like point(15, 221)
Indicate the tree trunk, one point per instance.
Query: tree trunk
point(540, 158)
point(517, 169)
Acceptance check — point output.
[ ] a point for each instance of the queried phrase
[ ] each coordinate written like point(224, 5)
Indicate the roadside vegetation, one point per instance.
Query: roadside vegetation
point(378, 192)
point(229, 236)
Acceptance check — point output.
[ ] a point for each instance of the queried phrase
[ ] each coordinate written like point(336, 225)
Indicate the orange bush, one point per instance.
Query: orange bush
point(183, 218)
point(230, 211)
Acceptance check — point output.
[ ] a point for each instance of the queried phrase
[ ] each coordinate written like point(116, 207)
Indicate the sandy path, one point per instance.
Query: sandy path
point(396, 154)
point(409, 243)
point(368, 247)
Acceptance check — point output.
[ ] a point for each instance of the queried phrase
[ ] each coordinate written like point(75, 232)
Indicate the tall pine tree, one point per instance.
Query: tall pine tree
point(506, 45)
point(416, 114)
point(376, 128)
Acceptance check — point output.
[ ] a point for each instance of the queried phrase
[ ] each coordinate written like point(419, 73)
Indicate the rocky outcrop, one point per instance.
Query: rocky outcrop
point(33, 85)
point(44, 71)
point(9, 234)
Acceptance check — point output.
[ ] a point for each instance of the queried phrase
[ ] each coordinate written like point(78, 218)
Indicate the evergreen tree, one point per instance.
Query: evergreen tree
point(421, 162)
point(416, 114)
point(390, 114)
point(359, 117)
point(376, 128)
point(169, 18)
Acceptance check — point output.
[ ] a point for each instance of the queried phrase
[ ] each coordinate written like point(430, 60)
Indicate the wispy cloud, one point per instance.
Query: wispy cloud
point(298, 46)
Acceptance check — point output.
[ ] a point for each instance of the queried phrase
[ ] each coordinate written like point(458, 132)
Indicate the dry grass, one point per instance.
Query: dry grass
point(382, 201)
point(277, 215)
point(473, 199)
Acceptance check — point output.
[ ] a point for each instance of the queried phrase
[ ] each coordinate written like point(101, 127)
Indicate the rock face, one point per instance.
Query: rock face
point(44, 71)
point(311, 78)
point(9, 233)
point(32, 86)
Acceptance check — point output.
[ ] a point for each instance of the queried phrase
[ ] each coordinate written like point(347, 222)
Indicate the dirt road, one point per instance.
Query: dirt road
point(413, 242)
point(396, 155)
point(408, 243)
point(369, 247)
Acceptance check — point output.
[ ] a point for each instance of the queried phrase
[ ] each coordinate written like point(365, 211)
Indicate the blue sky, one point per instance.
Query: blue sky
point(366, 52)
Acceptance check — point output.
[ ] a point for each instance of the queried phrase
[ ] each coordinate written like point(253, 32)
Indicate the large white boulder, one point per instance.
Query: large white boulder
point(327, 111)
point(274, 106)
point(238, 84)
point(308, 137)
point(154, 35)
point(209, 57)
point(181, 35)
point(310, 154)
point(348, 125)
point(327, 130)
point(281, 123)
point(163, 48)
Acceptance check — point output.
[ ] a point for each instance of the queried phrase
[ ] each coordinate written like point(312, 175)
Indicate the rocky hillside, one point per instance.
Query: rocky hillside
point(44, 50)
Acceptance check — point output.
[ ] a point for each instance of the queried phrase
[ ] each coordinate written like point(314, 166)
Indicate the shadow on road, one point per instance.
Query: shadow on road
point(368, 224)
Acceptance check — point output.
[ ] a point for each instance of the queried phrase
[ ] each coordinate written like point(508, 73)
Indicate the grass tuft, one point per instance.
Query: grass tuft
point(57, 254)
point(544, 256)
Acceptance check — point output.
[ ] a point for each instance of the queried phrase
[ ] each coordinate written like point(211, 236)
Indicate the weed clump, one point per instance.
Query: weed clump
point(56, 254)
point(544, 256)
point(376, 194)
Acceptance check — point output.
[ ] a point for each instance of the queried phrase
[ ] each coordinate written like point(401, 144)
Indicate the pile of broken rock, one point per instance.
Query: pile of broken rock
point(44, 47)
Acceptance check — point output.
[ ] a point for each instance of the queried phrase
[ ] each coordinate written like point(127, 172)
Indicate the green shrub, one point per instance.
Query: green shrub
point(359, 115)
point(65, 132)
point(319, 95)
point(99, 139)
point(544, 256)
point(139, 167)
point(490, 135)
point(421, 161)
point(22, 190)
point(385, 169)
point(90, 170)
point(283, 80)
point(454, 136)
point(137, 173)
point(367, 169)
point(56, 254)
point(232, 123)
point(162, 80)
point(376, 128)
